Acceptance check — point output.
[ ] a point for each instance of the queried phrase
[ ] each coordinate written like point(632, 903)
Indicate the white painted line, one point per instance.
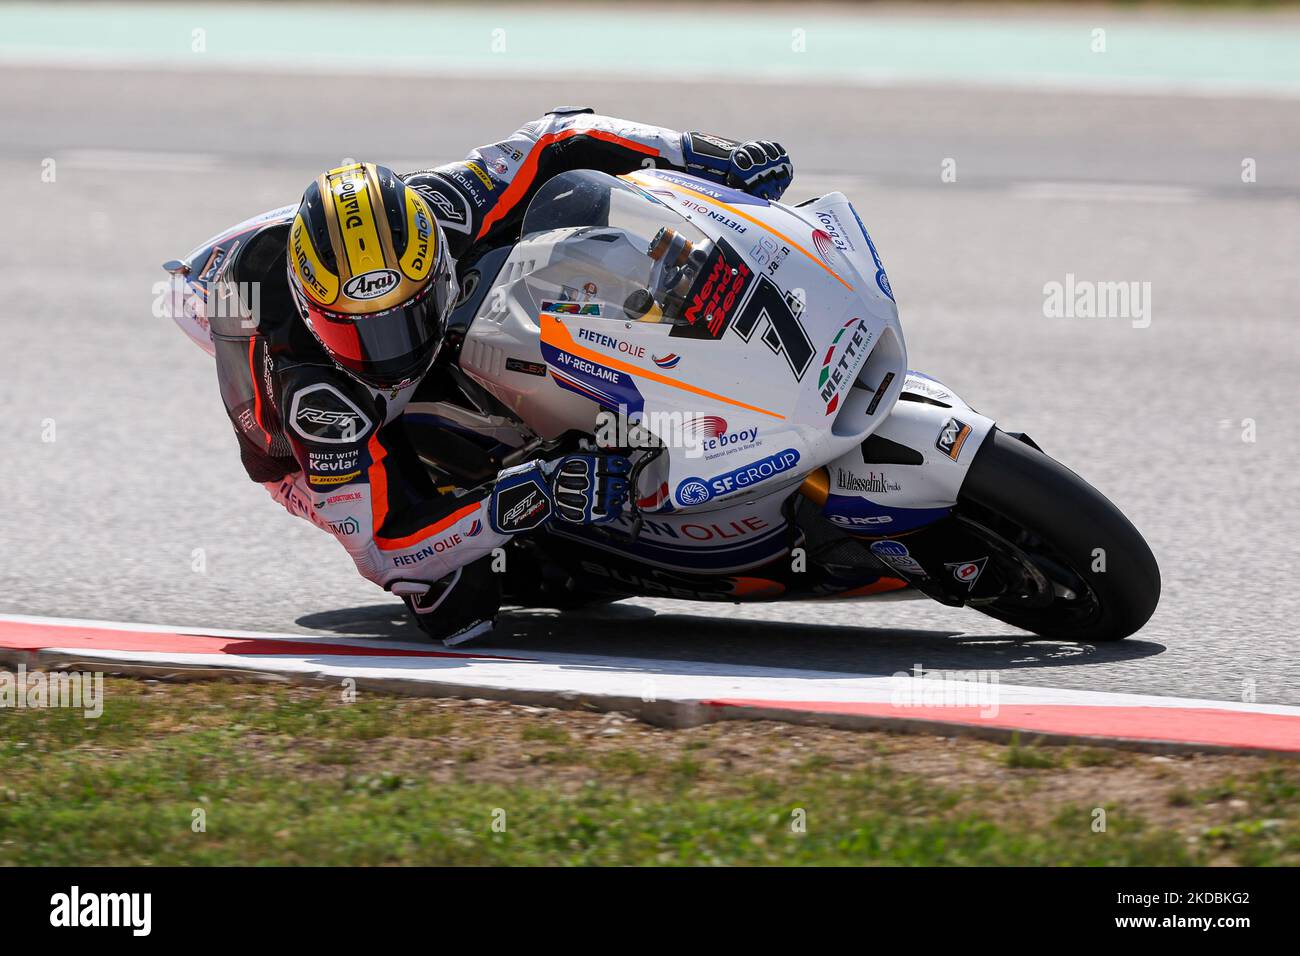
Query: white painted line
point(526, 669)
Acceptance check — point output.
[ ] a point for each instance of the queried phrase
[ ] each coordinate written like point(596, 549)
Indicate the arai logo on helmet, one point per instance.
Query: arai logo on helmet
point(371, 285)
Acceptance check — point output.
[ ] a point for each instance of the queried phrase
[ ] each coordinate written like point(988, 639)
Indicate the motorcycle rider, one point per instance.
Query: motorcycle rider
point(317, 399)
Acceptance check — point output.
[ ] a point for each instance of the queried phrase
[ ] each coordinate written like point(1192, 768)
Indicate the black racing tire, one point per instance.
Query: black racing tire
point(1055, 521)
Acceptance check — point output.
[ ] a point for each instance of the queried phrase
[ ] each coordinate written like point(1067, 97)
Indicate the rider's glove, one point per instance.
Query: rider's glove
point(579, 489)
point(590, 489)
point(759, 167)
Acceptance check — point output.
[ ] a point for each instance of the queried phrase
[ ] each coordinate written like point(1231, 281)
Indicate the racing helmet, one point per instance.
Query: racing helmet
point(371, 275)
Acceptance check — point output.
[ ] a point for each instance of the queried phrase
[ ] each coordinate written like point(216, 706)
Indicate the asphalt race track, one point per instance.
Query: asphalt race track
point(139, 511)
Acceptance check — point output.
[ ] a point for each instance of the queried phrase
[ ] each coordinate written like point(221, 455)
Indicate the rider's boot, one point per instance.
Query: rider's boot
point(458, 608)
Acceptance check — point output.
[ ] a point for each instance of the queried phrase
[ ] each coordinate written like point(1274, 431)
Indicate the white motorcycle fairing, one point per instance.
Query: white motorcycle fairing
point(909, 473)
point(785, 358)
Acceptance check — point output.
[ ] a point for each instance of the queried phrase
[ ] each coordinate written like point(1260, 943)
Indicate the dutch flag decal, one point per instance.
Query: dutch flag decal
point(668, 361)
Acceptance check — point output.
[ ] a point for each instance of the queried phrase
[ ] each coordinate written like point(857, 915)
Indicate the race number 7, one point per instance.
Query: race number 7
point(785, 335)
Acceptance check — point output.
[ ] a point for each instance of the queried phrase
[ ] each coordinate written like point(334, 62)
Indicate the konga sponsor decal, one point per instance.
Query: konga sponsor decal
point(843, 359)
point(696, 491)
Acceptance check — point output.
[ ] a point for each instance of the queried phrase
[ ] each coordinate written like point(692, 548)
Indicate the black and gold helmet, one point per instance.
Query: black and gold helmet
point(370, 272)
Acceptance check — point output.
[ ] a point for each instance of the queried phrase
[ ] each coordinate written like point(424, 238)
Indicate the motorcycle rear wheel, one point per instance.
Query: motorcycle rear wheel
point(1076, 568)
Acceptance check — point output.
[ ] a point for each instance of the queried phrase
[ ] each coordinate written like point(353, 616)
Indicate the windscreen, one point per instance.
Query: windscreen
point(619, 252)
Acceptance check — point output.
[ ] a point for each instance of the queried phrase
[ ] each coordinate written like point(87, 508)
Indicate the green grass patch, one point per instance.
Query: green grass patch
point(1033, 757)
point(221, 774)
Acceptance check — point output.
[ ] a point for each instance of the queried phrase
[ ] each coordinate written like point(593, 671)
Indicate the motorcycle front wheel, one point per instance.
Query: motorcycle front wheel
point(1072, 566)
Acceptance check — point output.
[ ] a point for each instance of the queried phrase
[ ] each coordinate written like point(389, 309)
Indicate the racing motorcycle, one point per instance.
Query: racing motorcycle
point(747, 356)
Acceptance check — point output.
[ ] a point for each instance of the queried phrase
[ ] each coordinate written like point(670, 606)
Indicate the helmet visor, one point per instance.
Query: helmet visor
point(384, 349)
